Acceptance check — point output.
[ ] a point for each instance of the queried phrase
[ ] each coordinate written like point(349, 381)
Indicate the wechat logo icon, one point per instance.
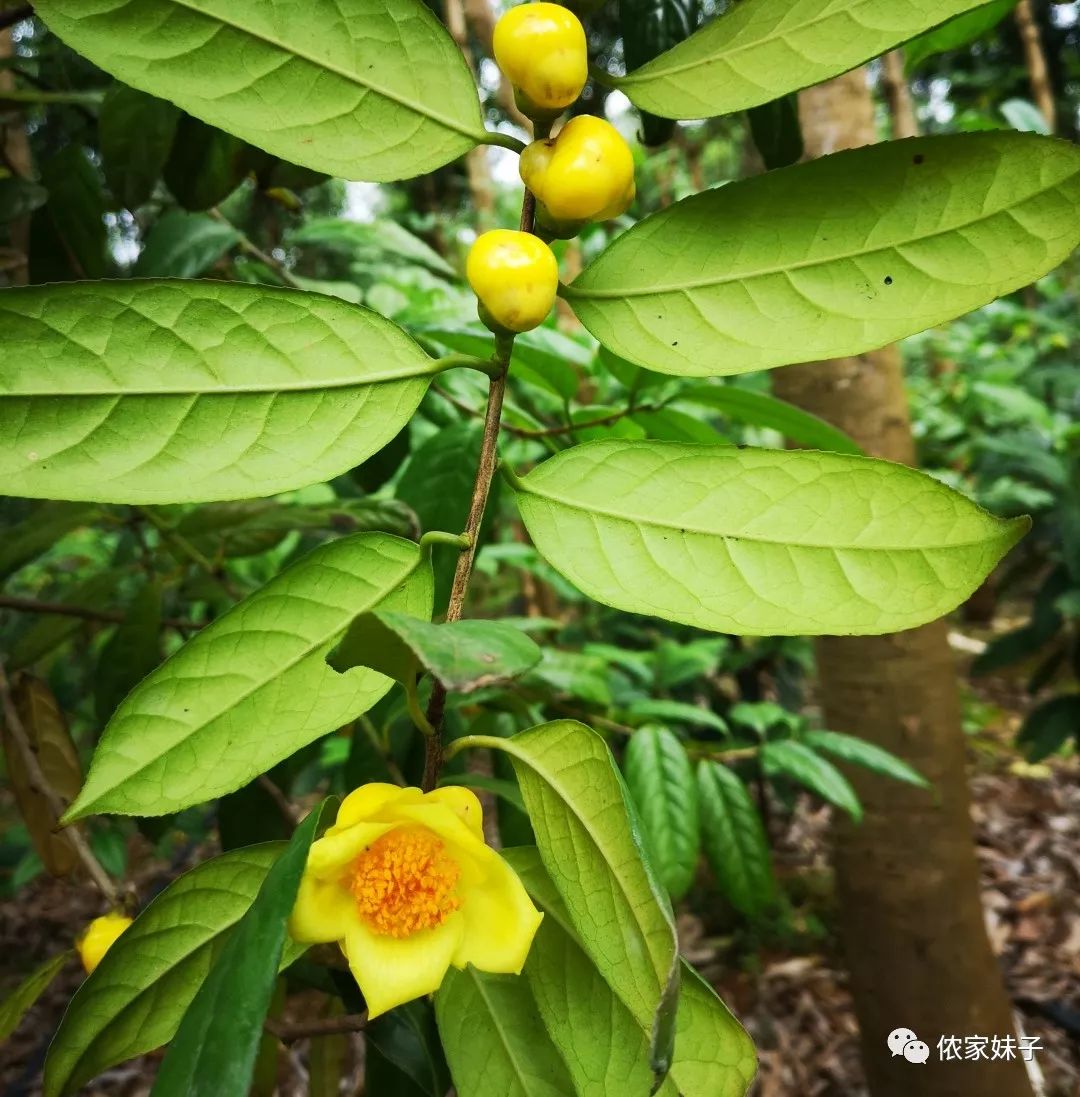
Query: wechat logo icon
point(902, 1041)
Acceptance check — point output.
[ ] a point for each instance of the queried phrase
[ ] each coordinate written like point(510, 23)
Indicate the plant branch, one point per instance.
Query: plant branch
point(85, 613)
point(185, 548)
point(74, 834)
point(249, 247)
point(289, 1031)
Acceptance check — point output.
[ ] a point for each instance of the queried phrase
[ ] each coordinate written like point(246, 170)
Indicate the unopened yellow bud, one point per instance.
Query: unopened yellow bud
point(586, 173)
point(542, 49)
point(99, 937)
point(515, 276)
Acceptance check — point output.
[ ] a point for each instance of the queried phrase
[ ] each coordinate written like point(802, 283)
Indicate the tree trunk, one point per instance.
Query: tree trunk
point(898, 96)
point(907, 878)
point(15, 157)
point(1041, 90)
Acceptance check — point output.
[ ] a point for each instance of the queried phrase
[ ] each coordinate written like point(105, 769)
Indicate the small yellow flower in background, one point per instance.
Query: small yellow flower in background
point(99, 937)
point(405, 883)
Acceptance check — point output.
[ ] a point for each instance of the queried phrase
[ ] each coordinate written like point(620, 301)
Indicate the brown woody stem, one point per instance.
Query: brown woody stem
point(289, 1031)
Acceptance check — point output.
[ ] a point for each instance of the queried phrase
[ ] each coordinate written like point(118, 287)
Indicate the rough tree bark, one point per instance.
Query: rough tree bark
point(907, 878)
point(1041, 89)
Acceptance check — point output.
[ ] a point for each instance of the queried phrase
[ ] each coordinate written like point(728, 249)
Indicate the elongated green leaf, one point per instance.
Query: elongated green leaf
point(207, 164)
point(131, 653)
point(213, 1052)
point(21, 999)
point(833, 257)
point(494, 1038)
point(859, 752)
point(798, 762)
point(957, 32)
point(136, 133)
point(661, 782)
point(590, 845)
point(253, 687)
point(40, 531)
point(363, 89)
point(762, 49)
point(184, 245)
point(714, 1057)
point(676, 712)
point(734, 840)
point(164, 392)
point(760, 542)
point(67, 235)
point(136, 997)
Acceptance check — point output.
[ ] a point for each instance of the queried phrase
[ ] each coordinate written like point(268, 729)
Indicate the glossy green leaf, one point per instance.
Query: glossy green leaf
point(136, 132)
point(661, 781)
point(362, 89)
point(184, 245)
point(165, 392)
point(785, 757)
point(833, 257)
point(850, 748)
point(383, 238)
point(20, 999)
point(494, 1038)
point(214, 1049)
point(734, 840)
point(957, 32)
point(253, 687)
point(760, 542)
point(136, 997)
point(590, 844)
point(675, 712)
point(761, 49)
point(408, 1038)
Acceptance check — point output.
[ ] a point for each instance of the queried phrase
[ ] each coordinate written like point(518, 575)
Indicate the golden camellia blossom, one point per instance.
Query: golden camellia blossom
point(405, 883)
point(543, 51)
point(515, 276)
point(99, 937)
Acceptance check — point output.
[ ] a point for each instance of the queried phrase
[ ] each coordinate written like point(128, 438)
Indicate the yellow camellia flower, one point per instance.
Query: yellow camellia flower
point(586, 173)
point(515, 276)
point(99, 937)
point(405, 883)
point(542, 49)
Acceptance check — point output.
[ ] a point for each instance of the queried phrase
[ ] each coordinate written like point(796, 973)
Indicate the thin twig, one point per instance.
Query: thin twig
point(281, 801)
point(246, 244)
point(85, 613)
point(186, 548)
point(17, 730)
point(290, 1031)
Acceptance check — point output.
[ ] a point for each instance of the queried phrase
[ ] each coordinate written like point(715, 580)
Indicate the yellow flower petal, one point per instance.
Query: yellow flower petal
point(393, 970)
point(463, 803)
point(335, 849)
point(462, 843)
point(324, 911)
point(365, 803)
point(500, 921)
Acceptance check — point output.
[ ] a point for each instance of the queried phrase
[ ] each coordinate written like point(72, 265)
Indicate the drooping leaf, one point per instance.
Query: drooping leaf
point(956, 33)
point(759, 542)
point(214, 1049)
point(785, 757)
point(463, 655)
point(661, 782)
point(776, 132)
point(136, 133)
point(760, 49)
point(494, 1038)
point(362, 89)
point(590, 845)
point(206, 164)
point(850, 748)
point(833, 257)
point(157, 392)
point(40, 531)
point(408, 1038)
point(184, 245)
point(21, 999)
point(1050, 726)
point(136, 997)
point(253, 687)
point(131, 653)
point(67, 234)
point(384, 237)
point(734, 840)
point(675, 712)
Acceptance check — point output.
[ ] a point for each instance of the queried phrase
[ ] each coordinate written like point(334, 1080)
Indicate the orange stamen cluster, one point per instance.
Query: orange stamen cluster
point(404, 882)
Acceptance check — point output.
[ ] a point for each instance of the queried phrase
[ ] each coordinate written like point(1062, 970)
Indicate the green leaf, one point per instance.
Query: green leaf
point(759, 409)
point(833, 257)
point(956, 33)
point(575, 674)
point(184, 245)
point(661, 782)
point(463, 655)
point(136, 132)
point(672, 425)
point(68, 238)
point(506, 789)
point(859, 752)
point(22, 998)
point(134, 1000)
point(797, 761)
point(676, 712)
point(386, 238)
point(166, 392)
point(131, 653)
point(761, 49)
point(494, 1038)
point(734, 840)
point(214, 1049)
point(253, 687)
point(759, 542)
point(408, 1038)
point(590, 845)
point(1049, 727)
point(40, 531)
point(1023, 115)
point(351, 88)
point(777, 132)
point(206, 164)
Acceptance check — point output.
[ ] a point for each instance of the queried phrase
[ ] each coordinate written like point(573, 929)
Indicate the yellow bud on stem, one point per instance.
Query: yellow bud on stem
point(542, 49)
point(99, 937)
point(515, 276)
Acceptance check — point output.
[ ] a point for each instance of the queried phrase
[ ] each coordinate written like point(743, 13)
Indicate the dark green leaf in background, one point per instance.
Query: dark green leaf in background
point(850, 748)
point(131, 653)
point(20, 999)
point(67, 234)
point(206, 164)
point(1049, 727)
point(796, 761)
point(956, 33)
point(776, 131)
point(184, 245)
point(135, 131)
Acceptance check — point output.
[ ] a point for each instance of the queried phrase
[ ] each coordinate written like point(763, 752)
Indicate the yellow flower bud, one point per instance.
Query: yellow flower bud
point(99, 937)
point(515, 276)
point(586, 173)
point(542, 49)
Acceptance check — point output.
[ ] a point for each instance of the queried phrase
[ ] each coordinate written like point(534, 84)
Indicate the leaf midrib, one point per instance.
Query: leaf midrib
point(350, 77)
point(585, 292)
point(682, 528)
